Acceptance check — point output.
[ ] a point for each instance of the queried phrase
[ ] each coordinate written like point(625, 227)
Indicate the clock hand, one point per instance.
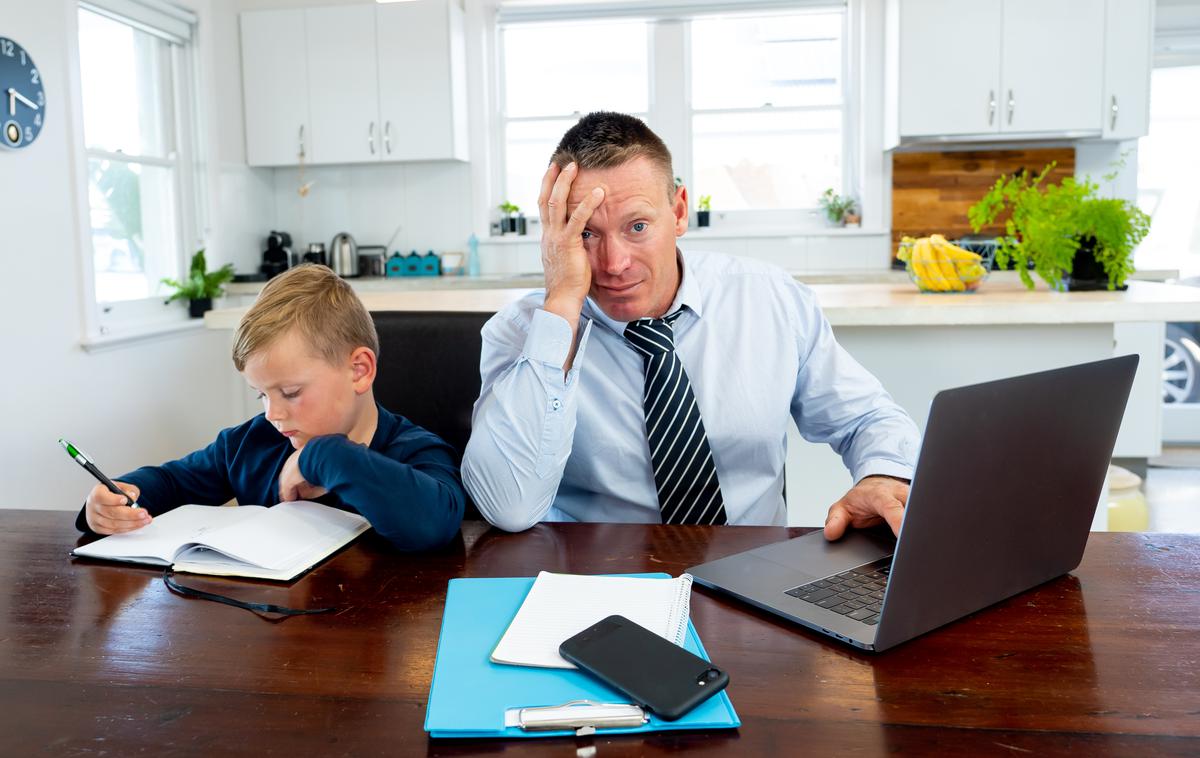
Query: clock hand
point(12, 101)
point(13, 93)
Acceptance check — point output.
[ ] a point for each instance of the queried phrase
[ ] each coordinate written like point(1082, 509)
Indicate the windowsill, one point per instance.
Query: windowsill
point(96, 343)
point(725, 232)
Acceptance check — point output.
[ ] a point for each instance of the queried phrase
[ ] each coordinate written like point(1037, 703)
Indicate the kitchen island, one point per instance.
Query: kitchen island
point(917, 344)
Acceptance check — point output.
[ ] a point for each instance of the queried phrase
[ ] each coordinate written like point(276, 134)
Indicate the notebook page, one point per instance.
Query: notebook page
point(160, 540)
point(285, 534)
point(559, 606)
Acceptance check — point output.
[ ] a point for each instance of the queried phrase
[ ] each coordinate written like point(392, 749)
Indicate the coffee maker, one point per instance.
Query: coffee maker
point(278, 256)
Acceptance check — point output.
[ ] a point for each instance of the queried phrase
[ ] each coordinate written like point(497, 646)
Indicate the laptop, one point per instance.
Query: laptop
point(1007, 482)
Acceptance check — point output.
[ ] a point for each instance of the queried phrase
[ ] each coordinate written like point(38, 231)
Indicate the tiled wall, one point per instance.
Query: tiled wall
point(833, 252)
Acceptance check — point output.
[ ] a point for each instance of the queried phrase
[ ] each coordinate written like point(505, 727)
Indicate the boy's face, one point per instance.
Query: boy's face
point(304, 395)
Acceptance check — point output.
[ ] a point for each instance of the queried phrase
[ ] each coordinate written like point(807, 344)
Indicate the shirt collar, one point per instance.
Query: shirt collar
point(688, 295)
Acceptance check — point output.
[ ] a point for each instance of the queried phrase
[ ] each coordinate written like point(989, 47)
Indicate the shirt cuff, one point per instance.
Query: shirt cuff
point(549, 339)
point(549, 342)
point(881, 467)
point(314, 452)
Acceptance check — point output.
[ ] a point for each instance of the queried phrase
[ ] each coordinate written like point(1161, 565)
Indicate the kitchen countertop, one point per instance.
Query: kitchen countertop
point(846, 299)
point(535, 280)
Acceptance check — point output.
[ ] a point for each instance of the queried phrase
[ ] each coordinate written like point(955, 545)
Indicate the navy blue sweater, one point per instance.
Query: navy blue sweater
point(406, 483)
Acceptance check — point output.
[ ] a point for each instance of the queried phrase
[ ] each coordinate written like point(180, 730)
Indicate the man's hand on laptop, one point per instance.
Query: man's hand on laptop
point(874, 499)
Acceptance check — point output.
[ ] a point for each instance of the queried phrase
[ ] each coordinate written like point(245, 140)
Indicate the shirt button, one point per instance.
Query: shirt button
point(556, 404)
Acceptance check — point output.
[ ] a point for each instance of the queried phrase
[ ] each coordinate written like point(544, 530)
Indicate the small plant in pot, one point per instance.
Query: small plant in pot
point(513, 220)
point(839, 210)
point(201, 286)
point(703, 210)
point(1071, 238)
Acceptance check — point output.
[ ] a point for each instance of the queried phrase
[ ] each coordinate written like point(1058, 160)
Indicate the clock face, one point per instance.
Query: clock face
point(22, 96)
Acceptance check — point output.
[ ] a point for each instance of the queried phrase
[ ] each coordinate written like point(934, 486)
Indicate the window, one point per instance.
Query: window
point(1168, 164)
point(767, 109)
point(609, 72)
point(751, 104)
point(136, 95)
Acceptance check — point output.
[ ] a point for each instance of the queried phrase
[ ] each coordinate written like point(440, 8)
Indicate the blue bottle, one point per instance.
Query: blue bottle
point(473, 255)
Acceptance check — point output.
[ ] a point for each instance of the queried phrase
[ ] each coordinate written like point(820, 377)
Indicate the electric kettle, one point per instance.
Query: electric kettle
point(343, 255)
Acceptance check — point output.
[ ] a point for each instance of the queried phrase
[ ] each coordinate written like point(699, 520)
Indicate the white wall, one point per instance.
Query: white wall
point(140, 403)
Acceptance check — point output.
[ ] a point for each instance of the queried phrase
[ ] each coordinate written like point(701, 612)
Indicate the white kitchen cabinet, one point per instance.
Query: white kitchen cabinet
point(275, 96)
point(422, 81)
point(949, 66)
point(1129, 55)
point(1052, 70)
point(1011, 69)
point(373, 83)
point(343, 88)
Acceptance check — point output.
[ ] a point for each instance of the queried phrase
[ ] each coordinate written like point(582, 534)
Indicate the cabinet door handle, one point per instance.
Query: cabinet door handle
point(387, 136)
point(371, 137)
point(302, 140)
point(1113, 122)
point(991, 107)
point(1012, 106)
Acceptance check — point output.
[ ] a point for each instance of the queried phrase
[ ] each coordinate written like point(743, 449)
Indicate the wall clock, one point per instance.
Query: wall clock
point(22, 97)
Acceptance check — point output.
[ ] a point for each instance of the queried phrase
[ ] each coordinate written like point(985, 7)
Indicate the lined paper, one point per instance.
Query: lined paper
point(559, 606)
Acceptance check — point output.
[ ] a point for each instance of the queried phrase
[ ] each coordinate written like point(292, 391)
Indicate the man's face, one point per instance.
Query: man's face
point(302, 394)
point(630, 238)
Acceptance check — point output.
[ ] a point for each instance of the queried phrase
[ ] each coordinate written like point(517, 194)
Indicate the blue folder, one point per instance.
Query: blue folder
point(470, 695)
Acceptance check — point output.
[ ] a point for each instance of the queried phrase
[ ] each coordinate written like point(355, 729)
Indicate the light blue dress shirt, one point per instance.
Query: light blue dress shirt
point(758, 352)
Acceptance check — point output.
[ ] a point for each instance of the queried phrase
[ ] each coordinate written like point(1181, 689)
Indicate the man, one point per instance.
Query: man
point(650, 385)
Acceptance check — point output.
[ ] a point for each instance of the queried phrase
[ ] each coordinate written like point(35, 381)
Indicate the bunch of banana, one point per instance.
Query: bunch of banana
point(938, 265)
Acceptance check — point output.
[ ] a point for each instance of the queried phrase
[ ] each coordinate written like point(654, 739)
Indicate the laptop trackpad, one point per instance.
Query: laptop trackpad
point(813, 555)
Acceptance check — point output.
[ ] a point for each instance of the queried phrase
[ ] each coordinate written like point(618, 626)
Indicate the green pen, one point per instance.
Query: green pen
point(83, 460)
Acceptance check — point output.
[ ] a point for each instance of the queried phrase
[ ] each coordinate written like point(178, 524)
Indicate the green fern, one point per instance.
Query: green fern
point(1047, 224)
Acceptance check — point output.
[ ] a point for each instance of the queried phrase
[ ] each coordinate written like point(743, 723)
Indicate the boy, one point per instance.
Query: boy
point(308, 347)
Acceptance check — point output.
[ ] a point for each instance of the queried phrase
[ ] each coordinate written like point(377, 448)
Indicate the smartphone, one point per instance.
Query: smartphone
point(655, 673)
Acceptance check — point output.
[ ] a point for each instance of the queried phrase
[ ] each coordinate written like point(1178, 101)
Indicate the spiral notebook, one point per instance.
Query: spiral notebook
point(559, 606)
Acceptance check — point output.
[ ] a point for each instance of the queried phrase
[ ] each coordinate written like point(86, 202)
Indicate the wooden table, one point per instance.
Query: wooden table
point(100, 659)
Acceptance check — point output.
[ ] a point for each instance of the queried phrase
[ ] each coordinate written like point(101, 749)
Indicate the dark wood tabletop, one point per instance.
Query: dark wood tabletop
point(101, 659)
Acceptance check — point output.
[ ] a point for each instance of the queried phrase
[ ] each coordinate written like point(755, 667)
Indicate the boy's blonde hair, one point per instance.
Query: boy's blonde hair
point(314, 300)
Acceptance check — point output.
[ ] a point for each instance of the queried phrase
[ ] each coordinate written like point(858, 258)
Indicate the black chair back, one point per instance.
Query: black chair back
point(429, 369)
point(429, 372)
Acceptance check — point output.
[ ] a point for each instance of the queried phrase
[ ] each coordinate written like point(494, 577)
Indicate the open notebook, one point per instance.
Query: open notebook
point(277, 543)
point(559, 606)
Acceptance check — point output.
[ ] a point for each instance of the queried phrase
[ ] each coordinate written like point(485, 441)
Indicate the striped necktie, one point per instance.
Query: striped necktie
point(684, 474)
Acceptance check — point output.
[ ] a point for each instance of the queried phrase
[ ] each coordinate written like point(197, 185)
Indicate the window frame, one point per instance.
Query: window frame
point(671, 112)
point(136, 319)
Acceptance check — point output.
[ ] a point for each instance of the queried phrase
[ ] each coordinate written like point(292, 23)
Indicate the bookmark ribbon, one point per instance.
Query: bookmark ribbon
point(191, 592)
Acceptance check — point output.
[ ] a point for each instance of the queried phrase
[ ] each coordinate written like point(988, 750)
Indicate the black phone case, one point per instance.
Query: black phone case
point(655, 673)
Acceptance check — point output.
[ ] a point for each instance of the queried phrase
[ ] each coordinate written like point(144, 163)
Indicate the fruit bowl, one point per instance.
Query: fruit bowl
point(936, 264)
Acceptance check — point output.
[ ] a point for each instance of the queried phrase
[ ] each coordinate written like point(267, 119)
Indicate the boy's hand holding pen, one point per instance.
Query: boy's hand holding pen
point(112, 507)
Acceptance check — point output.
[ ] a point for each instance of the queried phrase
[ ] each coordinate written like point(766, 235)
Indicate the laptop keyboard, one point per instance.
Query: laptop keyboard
point(856, 594)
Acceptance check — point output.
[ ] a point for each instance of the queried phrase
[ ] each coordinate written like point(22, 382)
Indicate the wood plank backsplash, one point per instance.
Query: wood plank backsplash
point(931, 192)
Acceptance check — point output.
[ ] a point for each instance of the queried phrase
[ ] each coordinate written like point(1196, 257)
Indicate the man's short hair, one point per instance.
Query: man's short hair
point(604, 139)
point(313, 299)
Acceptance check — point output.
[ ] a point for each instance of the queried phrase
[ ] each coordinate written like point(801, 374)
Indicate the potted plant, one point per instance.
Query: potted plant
point(1072, 238)
point(703, 209)
point(512, 217)
point(201, 286)
point(838, 209)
